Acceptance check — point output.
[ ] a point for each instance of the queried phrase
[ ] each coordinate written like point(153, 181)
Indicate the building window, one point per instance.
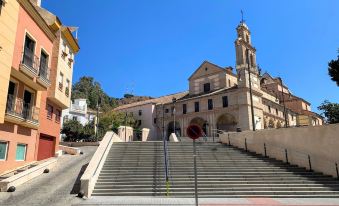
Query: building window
point(166, 110)
point(292, 117)
point(276, 111)
point(184, 108)
point(207, 87)
point(2, 3)
point(155, 120)
point(57, 116)
point(269, 109)
point(229, 83)
point(196, 106)
point(61, 81)
point(67, 88)
point(210, 104)
point(21, 152)
point(49, 111)
point(140, 112)
point(224, 101)
point(44, 71)
point(3, 150)
point(28, 55)
point(75, 118)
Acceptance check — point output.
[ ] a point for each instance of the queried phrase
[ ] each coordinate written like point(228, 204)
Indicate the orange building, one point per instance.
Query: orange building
point(29, 111)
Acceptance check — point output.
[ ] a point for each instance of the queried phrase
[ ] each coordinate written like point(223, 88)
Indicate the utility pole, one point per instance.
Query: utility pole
point(250, 82)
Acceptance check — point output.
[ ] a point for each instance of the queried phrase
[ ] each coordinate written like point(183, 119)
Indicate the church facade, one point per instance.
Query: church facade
point(220, 99)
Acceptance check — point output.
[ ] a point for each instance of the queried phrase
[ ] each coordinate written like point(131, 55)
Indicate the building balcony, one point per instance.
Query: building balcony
point(78, 109)
point(19, 112)
point(44, 74)
point(29, 64)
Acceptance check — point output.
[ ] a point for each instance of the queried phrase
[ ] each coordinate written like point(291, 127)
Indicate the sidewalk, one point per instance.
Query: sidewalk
point(95, 201)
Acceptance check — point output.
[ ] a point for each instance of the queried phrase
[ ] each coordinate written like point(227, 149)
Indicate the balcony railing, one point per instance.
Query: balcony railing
point(44, 73)
point(30, 61)
point(18, 108)
point(75, 107)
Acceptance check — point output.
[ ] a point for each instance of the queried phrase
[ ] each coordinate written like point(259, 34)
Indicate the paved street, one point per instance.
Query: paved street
point(59, 187)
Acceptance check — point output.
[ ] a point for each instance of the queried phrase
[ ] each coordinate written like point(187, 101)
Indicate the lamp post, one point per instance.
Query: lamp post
point(283, 99)
point(165, 151)
point(174, 100)
point(125, 126)
point(250, 84)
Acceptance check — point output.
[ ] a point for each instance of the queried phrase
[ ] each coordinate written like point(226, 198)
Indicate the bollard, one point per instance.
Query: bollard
point(309, 162)
point(286, 156)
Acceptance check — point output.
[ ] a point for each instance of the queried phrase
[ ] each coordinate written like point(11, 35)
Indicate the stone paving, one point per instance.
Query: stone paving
point(57, 188)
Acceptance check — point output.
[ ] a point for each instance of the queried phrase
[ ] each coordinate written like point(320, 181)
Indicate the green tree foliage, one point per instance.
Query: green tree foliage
point(88, 88)
point(333, 70)
point(330, 111)
point(112, 120)
point(73, 130)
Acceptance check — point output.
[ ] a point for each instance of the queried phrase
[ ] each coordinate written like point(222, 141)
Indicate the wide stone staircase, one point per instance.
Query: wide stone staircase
point(137, 169)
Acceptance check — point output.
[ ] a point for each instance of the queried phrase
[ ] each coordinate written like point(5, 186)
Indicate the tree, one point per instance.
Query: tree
point(333, 70)
point(330, 111)
point(88, 88)
point(73, 131)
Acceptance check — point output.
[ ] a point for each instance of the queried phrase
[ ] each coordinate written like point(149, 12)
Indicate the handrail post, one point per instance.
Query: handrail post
point(309, 162)
point(229, 141)
point(265, 149)
point(286, 156)
point(245, 144)
point(336, 167)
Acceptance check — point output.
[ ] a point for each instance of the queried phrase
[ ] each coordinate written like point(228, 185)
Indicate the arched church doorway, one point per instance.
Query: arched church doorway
point(203, 124)
point(226, 122)
point(170, 129)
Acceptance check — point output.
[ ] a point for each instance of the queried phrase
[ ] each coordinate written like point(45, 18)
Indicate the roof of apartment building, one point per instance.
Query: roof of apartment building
point(160, 100)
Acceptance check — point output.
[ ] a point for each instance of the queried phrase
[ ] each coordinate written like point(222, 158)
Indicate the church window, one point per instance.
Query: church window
point(229, 83)
point(210, 104)
point(225, 101)
point(207, 87)
point(269, 109)
point(184, 108)
point(196, 106)
point(276, 111)
point(247, 38)
point(252, 61)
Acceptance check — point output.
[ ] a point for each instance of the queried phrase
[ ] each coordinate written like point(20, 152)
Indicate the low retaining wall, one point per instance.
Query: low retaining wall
point(69, 150)
point(316, 147)
point(27, 175)
point(79, 144)
point(90, 176)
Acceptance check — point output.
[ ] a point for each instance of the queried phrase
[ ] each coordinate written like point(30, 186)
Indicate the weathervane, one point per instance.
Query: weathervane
point(242, 16)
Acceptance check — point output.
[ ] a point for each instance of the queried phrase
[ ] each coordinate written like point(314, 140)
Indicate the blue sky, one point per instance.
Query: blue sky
point(153, 46)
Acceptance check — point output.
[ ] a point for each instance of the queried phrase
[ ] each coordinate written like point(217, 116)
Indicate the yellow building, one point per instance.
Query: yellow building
point(9, 12)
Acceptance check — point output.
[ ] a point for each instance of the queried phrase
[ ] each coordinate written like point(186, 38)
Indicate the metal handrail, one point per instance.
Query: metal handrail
point(303, 156)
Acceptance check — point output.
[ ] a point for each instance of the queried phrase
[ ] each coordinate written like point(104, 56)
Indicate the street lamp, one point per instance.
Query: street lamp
point(250, 84)
point(174, 100)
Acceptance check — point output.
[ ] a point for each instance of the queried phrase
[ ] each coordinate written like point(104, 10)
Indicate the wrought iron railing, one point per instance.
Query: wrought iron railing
point(17, 107)
point(44, 72)
point(30, 61)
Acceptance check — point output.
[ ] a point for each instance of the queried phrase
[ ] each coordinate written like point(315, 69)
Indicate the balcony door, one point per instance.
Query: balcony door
point(28, 57)
point(11, 97)
point(27, 103)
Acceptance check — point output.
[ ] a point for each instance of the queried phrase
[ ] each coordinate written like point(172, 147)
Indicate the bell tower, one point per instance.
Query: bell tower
point(245, 55)
point(249, 93)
